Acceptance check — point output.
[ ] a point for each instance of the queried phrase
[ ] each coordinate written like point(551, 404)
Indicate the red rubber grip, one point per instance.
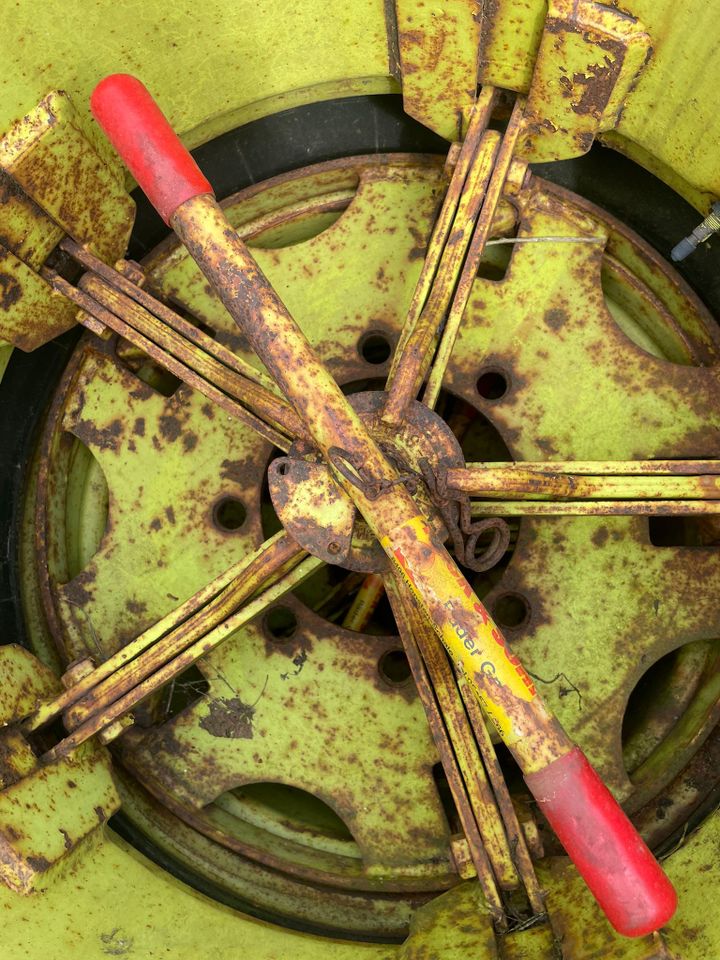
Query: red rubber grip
point(151, 149)
point(625, 878)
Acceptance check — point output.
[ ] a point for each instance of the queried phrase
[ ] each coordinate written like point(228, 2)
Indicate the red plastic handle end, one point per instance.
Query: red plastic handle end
point(151, 149)
point(625, 878)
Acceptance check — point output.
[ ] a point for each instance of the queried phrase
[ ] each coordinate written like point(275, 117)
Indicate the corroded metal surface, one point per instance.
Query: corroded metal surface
point(437, 61)
point(121, 582)
point(667, 123)
point(421, 442)
point(224, 821)
point(588, 59)
point(296, 702)
point(545, 416)
point(312, 507)
point(46, 811)
point(53, 158)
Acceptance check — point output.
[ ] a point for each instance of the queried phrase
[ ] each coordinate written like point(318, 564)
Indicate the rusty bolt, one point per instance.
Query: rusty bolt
point(460, 850)
point(451, 159)
point(532, 838)
point(78, 670)
point(114, 730)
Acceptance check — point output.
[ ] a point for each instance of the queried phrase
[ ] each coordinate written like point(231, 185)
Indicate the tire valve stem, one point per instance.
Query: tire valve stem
point(709, 226)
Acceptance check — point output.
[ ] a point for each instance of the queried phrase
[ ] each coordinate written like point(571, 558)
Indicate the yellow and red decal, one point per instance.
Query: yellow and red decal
point(462, 623)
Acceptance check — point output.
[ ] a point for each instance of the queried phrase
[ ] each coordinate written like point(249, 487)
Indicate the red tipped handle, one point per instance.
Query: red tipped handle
point(625, 878)
point(151, 149)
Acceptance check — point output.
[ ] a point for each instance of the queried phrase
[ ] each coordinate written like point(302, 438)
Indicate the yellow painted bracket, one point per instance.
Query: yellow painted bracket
point(589, 59)
point(438, 49)
point(50, 155)
point(31, 312)
point(26, 231)
point(53, 182)
point(49, 812)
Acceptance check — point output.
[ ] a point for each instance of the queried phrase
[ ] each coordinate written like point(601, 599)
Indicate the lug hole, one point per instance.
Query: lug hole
point(280, 624)
point(374, 348)
point(229, 514)
point(394, 667)
point(492, 385)
point(511, 610)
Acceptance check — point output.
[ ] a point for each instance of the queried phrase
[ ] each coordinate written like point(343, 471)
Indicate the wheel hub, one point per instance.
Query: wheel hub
point(304, 492)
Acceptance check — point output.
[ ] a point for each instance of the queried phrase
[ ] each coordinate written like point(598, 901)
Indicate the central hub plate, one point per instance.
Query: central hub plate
point(317, 512)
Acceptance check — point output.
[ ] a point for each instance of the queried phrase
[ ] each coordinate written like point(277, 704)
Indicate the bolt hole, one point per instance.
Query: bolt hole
point(511, 610)
point(283, 468)
point(492, 385)
point(374, 348)
point(394, 667)
point(280, 623)
point(230, 514)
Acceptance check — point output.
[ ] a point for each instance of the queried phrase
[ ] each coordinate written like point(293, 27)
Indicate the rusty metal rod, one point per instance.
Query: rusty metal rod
point(475, 252)
point(105, 717)
point(92, 312)
point(537, 485)
point(364, 603)
point(48, 711)
point(516, 837)
point(169, 316)
point(593, 508)
point(414, 353)
point(278, 554)
point(480, 117)
point(264, 404)
point(402, 610)
point(461, 737)
point(595, 468)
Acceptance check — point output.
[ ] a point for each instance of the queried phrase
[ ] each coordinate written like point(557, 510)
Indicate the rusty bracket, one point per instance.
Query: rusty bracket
point(300, 489)
point(56, 179)
point(435, 57)
point(588, 61)
point(48, 811)
point(112, 299)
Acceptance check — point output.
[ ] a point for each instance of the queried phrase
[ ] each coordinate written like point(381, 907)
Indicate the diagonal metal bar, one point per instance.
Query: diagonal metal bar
point(106, 716)
point(447, 248)
point(458, 728)
point(262, 402)
point(475, 252)
point(277, 555)
point(163, 639)
point(94, 314)
point(364, 603)
point(480, 117)
point(515, 834)
point(402, 610)
point(169, 317)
